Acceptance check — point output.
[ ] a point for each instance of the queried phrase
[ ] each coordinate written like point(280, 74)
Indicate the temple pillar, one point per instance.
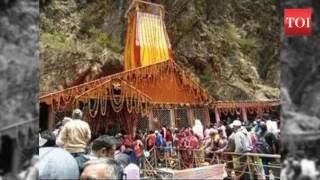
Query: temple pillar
point(172, 118)
point(150, 123)
point(217, 116)
point(190, 116)
point(206, 117)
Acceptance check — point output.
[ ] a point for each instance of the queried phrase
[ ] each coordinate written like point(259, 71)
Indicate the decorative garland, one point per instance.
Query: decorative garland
point(232, 111)
point(67, 100)
point(129, 102)
point(95, 109)
point(117, 105)
point(103, 104)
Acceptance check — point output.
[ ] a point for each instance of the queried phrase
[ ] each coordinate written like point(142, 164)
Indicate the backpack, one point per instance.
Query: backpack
point(158, 140)
point(262, 146)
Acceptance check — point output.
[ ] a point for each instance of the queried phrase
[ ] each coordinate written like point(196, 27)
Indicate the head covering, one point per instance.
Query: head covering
point(236, 123)
point(56, 163)
point(132, 171)
point(66, 120)
point(77, 114)
point(198, 128)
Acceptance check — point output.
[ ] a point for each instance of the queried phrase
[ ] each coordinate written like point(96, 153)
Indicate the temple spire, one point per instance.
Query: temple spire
point(147, 41)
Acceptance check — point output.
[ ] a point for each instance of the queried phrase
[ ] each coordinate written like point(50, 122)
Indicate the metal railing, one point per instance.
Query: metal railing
point(251, 165)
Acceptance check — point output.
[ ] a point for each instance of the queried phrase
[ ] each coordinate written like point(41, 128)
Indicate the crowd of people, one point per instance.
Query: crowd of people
point(71, 152)
point(259, 136)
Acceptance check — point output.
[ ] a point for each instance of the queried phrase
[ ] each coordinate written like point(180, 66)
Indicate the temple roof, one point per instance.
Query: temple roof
point(160, 83)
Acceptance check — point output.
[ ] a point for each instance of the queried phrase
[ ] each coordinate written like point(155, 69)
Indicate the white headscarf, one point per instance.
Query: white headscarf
point(198, 128)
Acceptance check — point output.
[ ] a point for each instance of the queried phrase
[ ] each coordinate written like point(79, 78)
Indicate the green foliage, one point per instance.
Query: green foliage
point(54, 39)
point(103, 39)
point(87, 21)
point(249, 46)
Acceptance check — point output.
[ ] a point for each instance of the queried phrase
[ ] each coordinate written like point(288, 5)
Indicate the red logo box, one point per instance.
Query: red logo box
point(297, 22)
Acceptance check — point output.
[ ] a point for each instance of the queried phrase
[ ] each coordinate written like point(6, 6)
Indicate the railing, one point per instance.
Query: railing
point(251, 165)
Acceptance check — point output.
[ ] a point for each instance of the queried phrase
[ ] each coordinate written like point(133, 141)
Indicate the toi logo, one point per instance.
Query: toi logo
point(297, 22)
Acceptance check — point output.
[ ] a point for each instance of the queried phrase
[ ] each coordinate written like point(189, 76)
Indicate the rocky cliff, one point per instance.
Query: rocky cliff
point(19, 85)
point(230, 47)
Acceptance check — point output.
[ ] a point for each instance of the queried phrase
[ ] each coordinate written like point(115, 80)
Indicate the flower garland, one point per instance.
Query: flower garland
point(117, 104)
point(232, 111)
point(68, 99)
point(103, 104)
point(129, 102)
point(250, 110)
point(225, 112)
point(95, 109)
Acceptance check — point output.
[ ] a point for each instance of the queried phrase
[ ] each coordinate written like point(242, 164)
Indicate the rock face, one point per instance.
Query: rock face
point(230, 47)
point(300, 63)
point(300, 70)
point(19, 85)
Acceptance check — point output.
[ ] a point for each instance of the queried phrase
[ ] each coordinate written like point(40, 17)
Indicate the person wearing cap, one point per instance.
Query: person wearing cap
point(76, 134)
point(102, 147)
point(241, 142)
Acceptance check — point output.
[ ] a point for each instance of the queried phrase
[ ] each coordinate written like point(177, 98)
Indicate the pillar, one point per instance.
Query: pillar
point(217, 116)
point(172, 118)
point(190, 116)
point(206, 117)
point(150, 122)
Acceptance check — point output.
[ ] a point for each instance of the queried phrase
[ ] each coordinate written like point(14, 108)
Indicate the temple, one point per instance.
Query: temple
point(152, 89)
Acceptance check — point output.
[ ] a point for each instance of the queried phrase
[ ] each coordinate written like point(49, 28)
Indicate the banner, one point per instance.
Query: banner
point(206, 172)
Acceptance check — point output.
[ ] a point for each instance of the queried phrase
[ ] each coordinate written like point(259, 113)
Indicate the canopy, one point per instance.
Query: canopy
point(161, 83)
point(147, 41)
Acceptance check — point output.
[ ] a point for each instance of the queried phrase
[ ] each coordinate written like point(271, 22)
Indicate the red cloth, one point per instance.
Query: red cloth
point(194, 143)
point(138, 148)
point(151, 140)
point(127, 142)
point(164, 130)
point(168, 137)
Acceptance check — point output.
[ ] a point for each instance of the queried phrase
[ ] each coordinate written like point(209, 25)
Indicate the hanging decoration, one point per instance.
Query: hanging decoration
point(147, 40)
point(252, 107)
point(103, 103)
point(117, 100)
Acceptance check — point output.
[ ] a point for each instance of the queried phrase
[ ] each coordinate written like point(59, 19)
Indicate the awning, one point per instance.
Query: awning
point(164, 82)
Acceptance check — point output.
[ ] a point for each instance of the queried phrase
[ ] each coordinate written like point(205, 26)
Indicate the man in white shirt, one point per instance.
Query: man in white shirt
point(75, 135)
